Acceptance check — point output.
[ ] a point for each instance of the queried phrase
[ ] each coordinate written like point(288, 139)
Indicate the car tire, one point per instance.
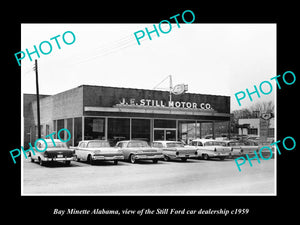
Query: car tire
point(90, 160)
point(205, 156)
point(32, 160)
point(132, 158)
point(67, 163)
point(155, 160)
point(116, 162)
point(41, 162)
point(166, 158)
point(222, 158)
point(183, 159)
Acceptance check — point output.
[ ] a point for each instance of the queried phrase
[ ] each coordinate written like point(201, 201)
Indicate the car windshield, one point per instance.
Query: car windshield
point(220, 143)
point(250, 143)
point(174, 144)
point(138, 144)
point(214, 143)
point(98, 144)
point(235, 144)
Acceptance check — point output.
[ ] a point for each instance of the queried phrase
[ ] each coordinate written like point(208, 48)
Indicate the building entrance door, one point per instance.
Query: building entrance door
point(163, 134)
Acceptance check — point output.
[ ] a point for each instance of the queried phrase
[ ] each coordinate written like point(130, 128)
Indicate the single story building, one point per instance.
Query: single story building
point(112, 113)
point(257, 127)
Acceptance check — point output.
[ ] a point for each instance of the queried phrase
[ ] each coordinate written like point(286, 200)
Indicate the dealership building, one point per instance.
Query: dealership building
point(112, 113)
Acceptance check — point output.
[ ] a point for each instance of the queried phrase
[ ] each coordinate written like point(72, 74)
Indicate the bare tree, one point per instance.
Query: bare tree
point(263, 107)
point(254, 110)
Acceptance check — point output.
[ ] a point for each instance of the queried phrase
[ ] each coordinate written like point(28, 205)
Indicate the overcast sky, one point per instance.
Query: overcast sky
point(218, 59)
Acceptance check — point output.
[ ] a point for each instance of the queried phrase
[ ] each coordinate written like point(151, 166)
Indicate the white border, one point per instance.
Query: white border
point(249, 194)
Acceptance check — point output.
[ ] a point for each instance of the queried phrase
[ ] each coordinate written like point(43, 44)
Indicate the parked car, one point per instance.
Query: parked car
point(55, 152)
point(208, 148)
point(138, 150)
point(249, 146)
point(175, 150)
point(97, 150)
point(235, 147)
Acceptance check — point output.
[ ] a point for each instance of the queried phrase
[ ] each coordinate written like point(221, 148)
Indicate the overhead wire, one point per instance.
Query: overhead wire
point(111, 47)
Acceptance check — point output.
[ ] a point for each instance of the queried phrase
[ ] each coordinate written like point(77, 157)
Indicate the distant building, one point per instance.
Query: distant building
point(256, 126)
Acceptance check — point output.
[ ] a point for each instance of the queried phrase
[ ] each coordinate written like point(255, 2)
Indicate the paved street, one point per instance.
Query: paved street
point(194, 177)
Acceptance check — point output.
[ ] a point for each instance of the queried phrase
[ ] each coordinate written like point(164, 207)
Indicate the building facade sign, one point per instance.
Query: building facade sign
point(162, 103)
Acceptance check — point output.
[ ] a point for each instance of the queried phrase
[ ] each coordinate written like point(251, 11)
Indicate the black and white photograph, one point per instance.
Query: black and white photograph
point(131, 112)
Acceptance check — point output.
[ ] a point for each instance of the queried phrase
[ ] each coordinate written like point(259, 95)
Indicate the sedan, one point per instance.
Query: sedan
point(208, 148)
point(134, 150)
point(56, 151)
point(97, 150)
point(235, 146)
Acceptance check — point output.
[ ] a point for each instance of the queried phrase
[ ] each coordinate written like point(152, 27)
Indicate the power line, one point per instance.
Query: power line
point(114, 46)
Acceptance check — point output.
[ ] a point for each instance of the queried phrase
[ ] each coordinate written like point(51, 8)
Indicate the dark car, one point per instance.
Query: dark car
point(58, 152)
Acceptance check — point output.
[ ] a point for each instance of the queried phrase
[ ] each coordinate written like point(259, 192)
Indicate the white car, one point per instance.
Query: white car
point(235, 146)
point(208, 148)
point(134, 150)
point(175, 150)
point(97, 150)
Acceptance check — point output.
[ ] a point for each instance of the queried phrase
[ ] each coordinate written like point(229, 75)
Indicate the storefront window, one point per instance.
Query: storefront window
point(186, 131)
point(54, 128)
point(221, 129)
point(77, 130)
point(170, 135)
point(164, 123)
point(118, 130)
point(140, 129)
point(70, 128)
point(60, 125)
point(206, 130)
point(47, 129)
point(94, 128)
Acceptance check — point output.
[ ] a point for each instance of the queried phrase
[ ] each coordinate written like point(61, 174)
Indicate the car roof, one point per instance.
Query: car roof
point(204, 140)
point(132, 141)
point(94, 141)
point(167, 141)
point(50, 140)
point(228, 141)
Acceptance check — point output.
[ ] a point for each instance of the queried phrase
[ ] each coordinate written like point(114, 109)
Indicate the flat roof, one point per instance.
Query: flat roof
point(138, 89)
point(88, 85)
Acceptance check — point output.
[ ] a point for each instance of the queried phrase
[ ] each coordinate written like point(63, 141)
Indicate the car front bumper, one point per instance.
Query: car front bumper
point(148, 157)
point(59, 159)
point(181, 156)
point(219, 154)
point(108, 158)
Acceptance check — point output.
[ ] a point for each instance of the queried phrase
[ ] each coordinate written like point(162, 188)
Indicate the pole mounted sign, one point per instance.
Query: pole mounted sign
point(179, 89)
point(266, 116)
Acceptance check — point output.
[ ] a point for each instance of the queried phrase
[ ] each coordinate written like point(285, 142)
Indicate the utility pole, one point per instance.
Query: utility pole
point(37, 99)
point(171, 87)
